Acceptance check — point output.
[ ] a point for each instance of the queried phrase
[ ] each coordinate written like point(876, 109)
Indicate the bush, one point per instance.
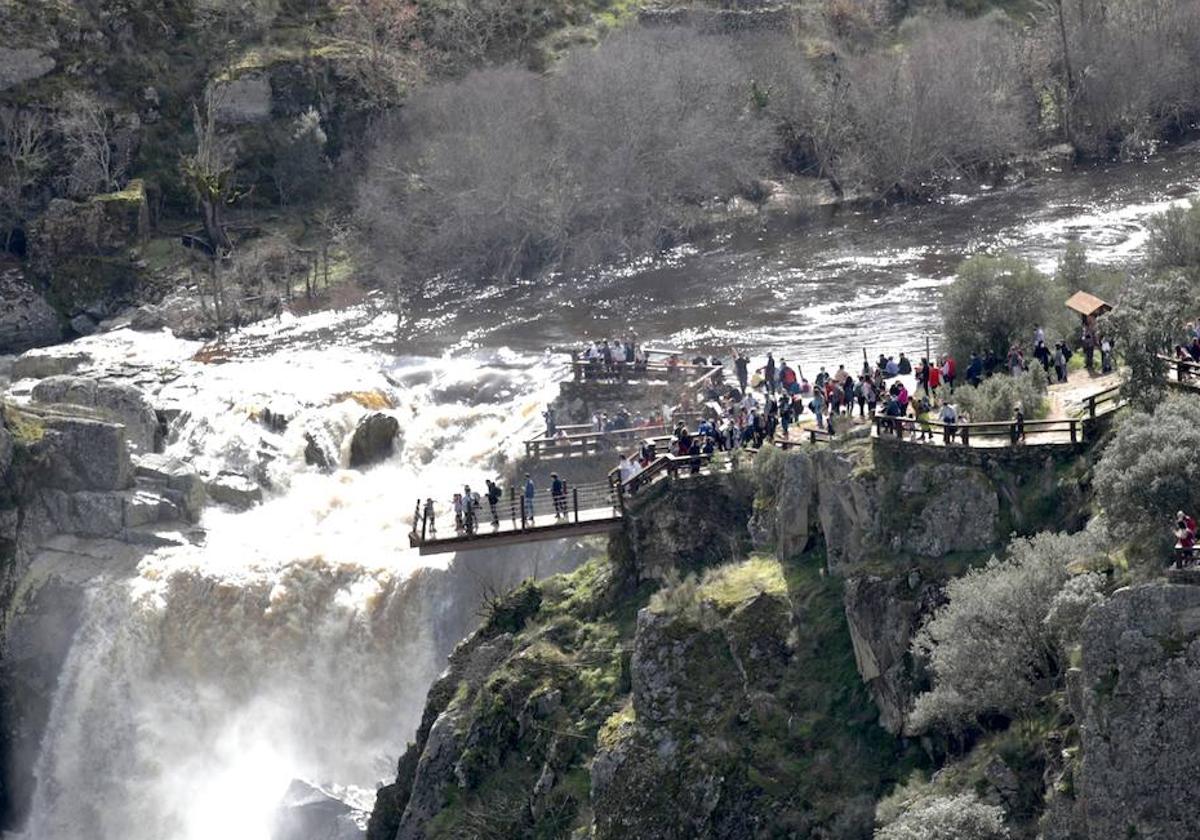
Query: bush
point(951, 102)
point(1149, 320)
point(1175, 238)
point(962, 817)
point(993, 303)
point(990, 649)
point(1150, 470)
point(508, 174)
point(995, 399)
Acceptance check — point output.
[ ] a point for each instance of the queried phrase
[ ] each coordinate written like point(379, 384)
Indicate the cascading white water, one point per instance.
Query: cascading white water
point(300, 639)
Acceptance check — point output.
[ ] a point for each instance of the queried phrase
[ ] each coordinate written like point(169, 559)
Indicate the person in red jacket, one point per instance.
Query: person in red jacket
point(949, 371)
point(935, 379)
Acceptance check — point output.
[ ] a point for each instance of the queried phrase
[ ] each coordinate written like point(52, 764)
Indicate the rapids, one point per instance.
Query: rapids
point(298, 639)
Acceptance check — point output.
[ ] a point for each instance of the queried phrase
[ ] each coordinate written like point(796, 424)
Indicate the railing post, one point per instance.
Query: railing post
point(575, 502)
point(966, 434)
point(424, 520)
point(512, 505)
point(522, 511)
point(416, 516)
point(1073, 435)
point(621, 497)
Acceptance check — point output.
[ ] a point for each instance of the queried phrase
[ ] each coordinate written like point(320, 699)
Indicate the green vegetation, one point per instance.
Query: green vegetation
point(994, 303)
point(1148, 472)
point(994, 645)
point(997, 396)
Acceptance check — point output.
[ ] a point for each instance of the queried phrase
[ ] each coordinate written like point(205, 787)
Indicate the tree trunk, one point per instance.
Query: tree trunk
point(1068, 72)
point(214, 226)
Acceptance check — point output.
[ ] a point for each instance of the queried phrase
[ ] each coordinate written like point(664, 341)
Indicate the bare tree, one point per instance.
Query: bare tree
point(90, 135)
point(210, 171)
point(24, 156)
point(506, 173)
point(384, 37)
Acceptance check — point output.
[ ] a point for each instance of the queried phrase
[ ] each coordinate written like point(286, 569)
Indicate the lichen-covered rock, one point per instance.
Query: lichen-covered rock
point(959, 510)
point(81, 249)
point(82, 454)
point(244, 100)
point(234, 490)
point(26, 319)
point(121, 403)
point(787, 523)
point(1141, 701)
point(38, 364)
point(178, 480)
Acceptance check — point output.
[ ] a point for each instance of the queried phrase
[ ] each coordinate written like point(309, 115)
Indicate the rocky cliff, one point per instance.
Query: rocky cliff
point(738, 665)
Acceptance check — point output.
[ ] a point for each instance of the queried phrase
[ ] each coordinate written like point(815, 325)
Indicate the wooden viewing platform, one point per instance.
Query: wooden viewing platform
point(598, 508)
point(583, 511)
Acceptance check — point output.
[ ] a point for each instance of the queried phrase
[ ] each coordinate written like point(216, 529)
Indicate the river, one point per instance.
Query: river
point(297, 639)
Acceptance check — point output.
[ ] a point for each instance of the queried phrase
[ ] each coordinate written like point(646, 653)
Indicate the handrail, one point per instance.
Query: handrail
point(885, 426)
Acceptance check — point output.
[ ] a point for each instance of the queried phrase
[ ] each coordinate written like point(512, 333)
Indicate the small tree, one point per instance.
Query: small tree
point(24, 156)
point(210, 171)
point(990, 649)
point(1150, 470)
point(993, 303)
point(90, 136)
point(1147, 323)
point(387, 51)
point(301, 164)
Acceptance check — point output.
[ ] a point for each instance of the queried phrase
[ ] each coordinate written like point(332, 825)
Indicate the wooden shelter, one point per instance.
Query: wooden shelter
point(1088, 306)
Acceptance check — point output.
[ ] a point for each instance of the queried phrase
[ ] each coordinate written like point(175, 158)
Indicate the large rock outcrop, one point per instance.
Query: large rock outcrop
point(374, 440)
point(1140, 696)
point(82, 250)
point(883, 614)
point(121, 403)
point(26, 319)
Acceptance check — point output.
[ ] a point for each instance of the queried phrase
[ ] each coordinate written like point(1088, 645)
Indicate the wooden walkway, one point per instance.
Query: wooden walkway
point(599, 508)
point(583, 511)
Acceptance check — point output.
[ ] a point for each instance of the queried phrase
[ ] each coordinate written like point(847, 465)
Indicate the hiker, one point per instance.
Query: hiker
point(1060, 362)
point(1042, 353)
point(787, 413)
point(470, 502)
point(494, 495)
point(1016, 361)
point(891, 369)
point(922, 375)
point(787, 379)
point(871, 395)
point(530, 492)
point(768, 372)
point(990, 363)
point(1106, 355)
point(975, 370)
point(551, 421)
point(1039, 336)
point(1089, 349)
point(933, 380)
point(949, 372)
point(904, 367)
point(428, 517)
point(1018, 426)
point(741, 366)
point(558, 492)
point(949, 417)
point(817, 406)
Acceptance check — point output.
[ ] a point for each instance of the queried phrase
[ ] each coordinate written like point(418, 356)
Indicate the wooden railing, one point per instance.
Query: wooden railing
point(1187, 372)
point(689, 375)
point(1002, 433)
point(1103, 402)
point(580, 444)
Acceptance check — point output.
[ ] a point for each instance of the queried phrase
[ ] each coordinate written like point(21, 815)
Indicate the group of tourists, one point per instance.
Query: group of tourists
point(468, 506)
point(608, 357)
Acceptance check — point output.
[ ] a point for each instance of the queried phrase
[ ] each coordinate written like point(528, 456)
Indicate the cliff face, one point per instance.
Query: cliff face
point(690, 686)
point(1140, 698)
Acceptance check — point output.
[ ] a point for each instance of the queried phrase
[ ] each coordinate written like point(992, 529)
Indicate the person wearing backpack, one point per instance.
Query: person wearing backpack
point(494, 495)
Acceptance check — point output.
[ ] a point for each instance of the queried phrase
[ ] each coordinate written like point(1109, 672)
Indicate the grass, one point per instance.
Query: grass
point(732, 585)
point(26, 429)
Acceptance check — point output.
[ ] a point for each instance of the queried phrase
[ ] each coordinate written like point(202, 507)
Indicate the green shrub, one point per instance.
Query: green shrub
point(1150, 470)
point(995, 302)
point(990, 649)
point(962, 817)
point(997, 396)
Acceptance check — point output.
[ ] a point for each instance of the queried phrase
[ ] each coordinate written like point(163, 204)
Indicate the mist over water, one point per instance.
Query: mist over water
point(299, 639)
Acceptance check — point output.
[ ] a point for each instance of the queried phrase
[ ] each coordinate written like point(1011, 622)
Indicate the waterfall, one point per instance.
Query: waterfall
point(298, 640)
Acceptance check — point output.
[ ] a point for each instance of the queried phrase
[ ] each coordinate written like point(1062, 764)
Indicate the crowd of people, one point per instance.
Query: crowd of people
point(468, 506)
point(766, 402)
